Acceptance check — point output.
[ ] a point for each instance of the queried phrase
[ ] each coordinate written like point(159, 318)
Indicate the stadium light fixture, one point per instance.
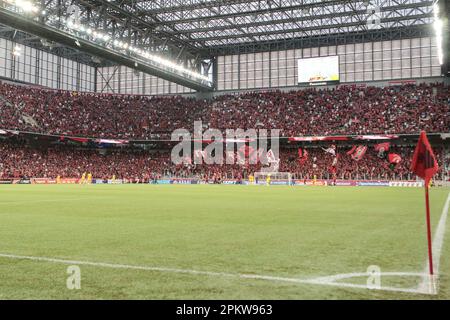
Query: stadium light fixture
point(436, 10)
point(24, 5)
point(16, 51)
point(141, 53)
point(28, 7)
point(438, 28)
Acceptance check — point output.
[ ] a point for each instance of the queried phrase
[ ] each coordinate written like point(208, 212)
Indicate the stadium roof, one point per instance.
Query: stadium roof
point(212, 26)
point(188, 31)
point(216, 24)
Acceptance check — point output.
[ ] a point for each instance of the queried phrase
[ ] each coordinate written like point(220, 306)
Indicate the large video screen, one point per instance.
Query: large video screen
point(316, 71)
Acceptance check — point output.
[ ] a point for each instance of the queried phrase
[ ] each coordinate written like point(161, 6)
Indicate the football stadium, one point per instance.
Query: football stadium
point(224, 150)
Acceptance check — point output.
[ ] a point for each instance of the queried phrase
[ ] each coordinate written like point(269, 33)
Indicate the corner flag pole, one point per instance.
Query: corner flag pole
point(430, 244)
point(424, 165)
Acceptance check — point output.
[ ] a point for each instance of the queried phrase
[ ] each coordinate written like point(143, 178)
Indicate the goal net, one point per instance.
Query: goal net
point(279, 178)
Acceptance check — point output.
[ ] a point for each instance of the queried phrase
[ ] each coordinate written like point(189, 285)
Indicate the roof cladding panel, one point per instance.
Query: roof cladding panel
point(219, 24)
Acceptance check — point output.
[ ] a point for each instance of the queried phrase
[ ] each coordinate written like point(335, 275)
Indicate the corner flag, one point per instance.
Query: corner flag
point(424, 162)
point(424, 165)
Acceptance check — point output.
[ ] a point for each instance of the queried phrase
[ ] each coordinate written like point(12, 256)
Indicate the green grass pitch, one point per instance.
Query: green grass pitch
point(288, 232)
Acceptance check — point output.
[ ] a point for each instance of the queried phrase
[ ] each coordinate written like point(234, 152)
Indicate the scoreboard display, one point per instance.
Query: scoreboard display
point(318, 71)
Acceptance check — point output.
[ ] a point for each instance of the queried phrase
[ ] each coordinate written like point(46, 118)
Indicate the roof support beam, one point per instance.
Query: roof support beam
point(25, 24)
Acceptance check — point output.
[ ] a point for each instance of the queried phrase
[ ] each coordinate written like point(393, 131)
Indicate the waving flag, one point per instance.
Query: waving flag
point(335, 161)
point(394, 158)
point(331, 150)
point(382, 148)
point(246, 150)
point(302, 155)
point(271, 157)
point(199, 156)
point(357, 152)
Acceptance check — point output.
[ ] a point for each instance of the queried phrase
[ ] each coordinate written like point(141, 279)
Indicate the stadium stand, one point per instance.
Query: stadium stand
point(345, 110)
point(20, 160)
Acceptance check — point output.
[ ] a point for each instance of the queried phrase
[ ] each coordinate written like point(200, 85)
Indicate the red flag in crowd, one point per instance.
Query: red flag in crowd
point(357, 152)
point(394, 158)
point(247, 153)
point(382, 148)
point(302, 155)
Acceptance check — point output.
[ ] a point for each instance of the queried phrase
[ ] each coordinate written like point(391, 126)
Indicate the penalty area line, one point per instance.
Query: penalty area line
point(323, 281)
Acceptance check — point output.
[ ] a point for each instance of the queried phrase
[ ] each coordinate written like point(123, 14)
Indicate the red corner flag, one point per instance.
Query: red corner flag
point(424, 165)
point(424, 162)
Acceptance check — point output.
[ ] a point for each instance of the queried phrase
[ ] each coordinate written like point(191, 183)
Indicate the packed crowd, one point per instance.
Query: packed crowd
point(344, 110)
point(93, 115)
point(18, 160)
point(370, 167)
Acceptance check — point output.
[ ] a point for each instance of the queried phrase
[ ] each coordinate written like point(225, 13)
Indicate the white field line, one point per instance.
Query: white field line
point(343, 276)
point(325, 281)
point(51, 200)
point(427, 282)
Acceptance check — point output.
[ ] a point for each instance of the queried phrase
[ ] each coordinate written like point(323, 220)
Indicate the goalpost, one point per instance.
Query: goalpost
point(280, 178)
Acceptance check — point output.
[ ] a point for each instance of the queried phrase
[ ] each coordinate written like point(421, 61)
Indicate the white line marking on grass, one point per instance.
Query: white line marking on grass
point(364, 274)
point(324, 281)
point(428, 284)
point(51, 200)
point(331, 281)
